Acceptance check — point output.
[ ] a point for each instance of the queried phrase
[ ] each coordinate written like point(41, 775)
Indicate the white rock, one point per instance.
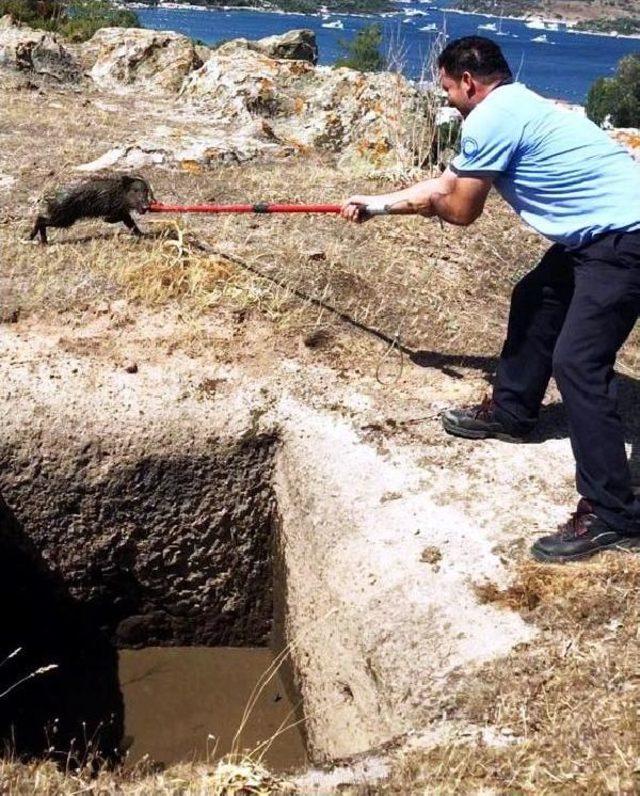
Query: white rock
point(294, 45)
point(6, 180)
point(341, 110)
point(131, 59)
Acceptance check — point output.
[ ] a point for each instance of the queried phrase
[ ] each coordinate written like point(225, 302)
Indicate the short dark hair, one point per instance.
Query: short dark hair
point(479, 56)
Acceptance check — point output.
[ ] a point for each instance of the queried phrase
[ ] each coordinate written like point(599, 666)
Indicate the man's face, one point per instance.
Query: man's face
point(459, 92)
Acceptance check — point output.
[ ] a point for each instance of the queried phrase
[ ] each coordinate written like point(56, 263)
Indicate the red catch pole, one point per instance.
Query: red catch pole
point(259, 207)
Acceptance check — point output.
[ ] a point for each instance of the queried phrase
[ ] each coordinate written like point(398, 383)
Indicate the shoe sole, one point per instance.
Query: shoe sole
point(468, 433)
point(550, 558)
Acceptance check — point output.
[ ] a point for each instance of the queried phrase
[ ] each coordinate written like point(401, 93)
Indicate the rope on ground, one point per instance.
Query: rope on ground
point(393, 343)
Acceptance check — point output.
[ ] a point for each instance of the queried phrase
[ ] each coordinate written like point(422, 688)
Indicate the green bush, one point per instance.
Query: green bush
point(78, 20)
point(617, 98)
point(32, 13)
point(363, 51)
point(85, 17)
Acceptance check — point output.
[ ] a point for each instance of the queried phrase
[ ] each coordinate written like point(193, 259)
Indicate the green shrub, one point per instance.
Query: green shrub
point(78, 20)
point(617, 98)
point(363, 51)
point(85, 17)
point(32, 13)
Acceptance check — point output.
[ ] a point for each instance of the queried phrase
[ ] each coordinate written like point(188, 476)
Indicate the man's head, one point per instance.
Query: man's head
point(469, 69)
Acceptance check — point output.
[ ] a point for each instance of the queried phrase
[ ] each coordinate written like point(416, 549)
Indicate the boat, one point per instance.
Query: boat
point(430, 26)
point(541, 39)
point(338, 24)
point(536, 24)
point(491, 26)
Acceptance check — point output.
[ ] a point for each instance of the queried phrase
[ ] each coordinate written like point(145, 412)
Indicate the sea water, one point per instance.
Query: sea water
point(556, 63)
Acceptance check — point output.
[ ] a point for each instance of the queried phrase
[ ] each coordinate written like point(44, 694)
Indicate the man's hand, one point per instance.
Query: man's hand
point(354, 209)
point(409, 201)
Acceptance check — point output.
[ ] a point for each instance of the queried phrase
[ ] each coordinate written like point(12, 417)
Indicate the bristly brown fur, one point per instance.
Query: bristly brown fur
point(110, 197)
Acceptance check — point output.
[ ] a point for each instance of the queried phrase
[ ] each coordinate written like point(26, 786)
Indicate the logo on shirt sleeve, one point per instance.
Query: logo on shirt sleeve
point(469, 147)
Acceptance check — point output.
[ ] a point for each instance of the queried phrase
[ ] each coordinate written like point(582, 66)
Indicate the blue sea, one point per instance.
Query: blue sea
point(556, 63)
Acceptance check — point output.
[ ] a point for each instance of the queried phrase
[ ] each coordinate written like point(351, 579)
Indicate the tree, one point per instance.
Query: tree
point(78, 20)
point(363, 52)
point(617, 99)
point(85, 17)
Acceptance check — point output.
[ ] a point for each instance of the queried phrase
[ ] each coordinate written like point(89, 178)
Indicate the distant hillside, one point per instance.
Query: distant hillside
point(604, 15)
point(300, 6)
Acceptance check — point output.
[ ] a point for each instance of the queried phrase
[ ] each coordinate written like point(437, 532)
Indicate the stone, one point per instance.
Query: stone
point(294, 45)
point(431, 555)
point(361, 116)
point(133, 59)
point(130, 366)
point(316, 255)
point(35, 52)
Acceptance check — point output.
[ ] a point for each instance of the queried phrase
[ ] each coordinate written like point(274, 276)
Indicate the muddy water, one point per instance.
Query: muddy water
point(186, 703)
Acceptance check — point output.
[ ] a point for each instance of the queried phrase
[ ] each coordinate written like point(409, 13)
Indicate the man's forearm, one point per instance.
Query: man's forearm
point(414, 199)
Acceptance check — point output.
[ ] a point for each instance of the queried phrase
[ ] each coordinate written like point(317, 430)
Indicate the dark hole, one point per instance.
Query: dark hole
point(149, 586)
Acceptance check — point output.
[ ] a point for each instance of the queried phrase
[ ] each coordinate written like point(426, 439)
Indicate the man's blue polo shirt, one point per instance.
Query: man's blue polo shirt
point(560, 172)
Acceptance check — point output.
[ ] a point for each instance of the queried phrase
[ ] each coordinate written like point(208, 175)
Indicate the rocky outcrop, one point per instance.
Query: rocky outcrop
point(132, 59)
point(294, 45)
point(35, 52)
point(341, 110)
point(211, 144)
point(246, 99)
point(629, 137)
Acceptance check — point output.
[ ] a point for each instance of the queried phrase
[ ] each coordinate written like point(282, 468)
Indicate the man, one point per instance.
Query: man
point(572, 313)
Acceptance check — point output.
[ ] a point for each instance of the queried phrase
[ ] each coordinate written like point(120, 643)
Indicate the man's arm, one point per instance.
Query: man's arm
point(458, 200)
point(463, 200)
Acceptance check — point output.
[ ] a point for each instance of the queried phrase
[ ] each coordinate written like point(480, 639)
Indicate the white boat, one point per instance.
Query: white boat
point(430, 26)
point(536, 24)
point(541, 39)
point(338, 24)
point(491, 26)
point(414, 12)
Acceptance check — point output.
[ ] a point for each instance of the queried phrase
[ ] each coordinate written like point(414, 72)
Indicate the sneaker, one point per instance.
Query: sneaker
point(478, 422)
point(580, 537)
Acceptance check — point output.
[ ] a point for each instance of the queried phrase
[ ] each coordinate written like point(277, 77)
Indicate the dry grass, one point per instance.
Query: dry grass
point(443, 289)
point(565, 706)
point(405, 277)
point(238, 778)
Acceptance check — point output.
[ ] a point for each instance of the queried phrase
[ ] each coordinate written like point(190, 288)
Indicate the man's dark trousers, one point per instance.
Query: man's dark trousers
point(569, 317)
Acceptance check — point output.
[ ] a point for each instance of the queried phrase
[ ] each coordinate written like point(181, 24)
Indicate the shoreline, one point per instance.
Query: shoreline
point(568, 24)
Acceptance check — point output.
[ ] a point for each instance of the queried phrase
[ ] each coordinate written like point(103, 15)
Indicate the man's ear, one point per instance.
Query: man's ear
point(467, 83)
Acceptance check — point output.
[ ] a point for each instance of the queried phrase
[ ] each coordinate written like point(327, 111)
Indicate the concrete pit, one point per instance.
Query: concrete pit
point(146, 511)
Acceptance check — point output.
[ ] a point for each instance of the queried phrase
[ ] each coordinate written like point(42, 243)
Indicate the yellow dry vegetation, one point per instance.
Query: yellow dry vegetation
point(238, 777)
point(565, 707)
